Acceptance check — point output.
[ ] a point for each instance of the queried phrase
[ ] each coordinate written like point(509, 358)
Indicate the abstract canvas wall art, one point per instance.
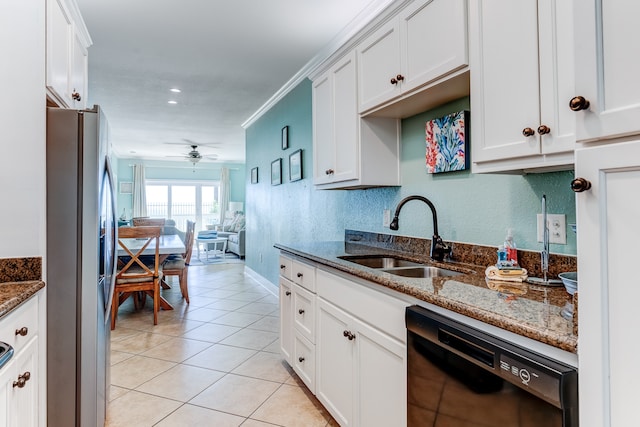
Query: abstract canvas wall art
point(446, 139)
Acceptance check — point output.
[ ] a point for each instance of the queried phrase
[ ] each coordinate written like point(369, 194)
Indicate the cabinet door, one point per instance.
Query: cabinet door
point(381, 379)
point(304, 360)
point(335, 355)
point(345, 119)
point(59, 33)
point(434, 40)
point(504, 82)
point(606, 63)
point(378, 63)
point(26, 398)
point(323, 142)
point(608, 227)
point(286, 319)
point(304, 312)
point(78, 77)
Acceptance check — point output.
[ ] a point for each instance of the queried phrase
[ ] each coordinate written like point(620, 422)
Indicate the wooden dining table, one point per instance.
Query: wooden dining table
point(169, 244)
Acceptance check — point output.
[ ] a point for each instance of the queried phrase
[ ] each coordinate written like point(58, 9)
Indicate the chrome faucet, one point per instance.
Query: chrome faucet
point(438, 248)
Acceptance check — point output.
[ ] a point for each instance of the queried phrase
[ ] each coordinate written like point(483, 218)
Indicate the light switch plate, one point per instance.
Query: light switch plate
point(557, 224)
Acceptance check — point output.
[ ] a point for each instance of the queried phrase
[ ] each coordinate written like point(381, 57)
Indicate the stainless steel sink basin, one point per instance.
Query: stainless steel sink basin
point(422, 272)
point(6, 351)
point(379, 261)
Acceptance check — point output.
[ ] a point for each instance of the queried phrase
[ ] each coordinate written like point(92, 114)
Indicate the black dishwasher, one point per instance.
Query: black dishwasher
point(458, 376)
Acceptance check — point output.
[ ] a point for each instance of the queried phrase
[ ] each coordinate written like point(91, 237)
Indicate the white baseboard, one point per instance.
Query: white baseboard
point(273, 289)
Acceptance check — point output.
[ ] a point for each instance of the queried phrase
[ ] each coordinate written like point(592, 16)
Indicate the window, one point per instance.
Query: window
point(183, 200)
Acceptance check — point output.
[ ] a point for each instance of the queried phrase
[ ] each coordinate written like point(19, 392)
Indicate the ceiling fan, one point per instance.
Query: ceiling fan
point(194, 156)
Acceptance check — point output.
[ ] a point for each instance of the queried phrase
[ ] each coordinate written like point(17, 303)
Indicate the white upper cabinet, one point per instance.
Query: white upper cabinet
point(350, 151)
point(521, 60)
point(67, 57)
point(424, 42)
point(607, 68)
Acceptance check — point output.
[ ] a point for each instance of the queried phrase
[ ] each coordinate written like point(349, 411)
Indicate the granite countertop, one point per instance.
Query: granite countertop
point(12, 294)
point(20, 279)
point(525, 309)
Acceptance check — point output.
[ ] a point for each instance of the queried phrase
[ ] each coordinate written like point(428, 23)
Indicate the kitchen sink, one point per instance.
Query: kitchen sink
point(422, 272)
point(6, 351)
point(379, 261)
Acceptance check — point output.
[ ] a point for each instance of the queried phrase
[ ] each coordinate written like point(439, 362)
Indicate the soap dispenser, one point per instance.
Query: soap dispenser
point(510, 247)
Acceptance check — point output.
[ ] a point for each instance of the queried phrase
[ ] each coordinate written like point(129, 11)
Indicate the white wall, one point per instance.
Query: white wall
point(22, 129)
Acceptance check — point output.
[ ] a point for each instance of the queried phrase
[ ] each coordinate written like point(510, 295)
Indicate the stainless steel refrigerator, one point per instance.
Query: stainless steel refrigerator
point(81, 238)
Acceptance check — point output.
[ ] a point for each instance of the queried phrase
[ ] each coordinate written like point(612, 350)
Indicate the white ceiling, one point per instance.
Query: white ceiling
point(228, 58)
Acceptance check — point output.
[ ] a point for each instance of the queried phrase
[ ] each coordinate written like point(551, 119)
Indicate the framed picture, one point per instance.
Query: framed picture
point(276, 172)
point(126, 188)
point(446, 140)
point(254, 175)
point(295, 166)
point(285, 137)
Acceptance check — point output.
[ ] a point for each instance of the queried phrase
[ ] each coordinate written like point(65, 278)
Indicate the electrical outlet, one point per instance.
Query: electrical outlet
point(557, 224)
point(386, 218)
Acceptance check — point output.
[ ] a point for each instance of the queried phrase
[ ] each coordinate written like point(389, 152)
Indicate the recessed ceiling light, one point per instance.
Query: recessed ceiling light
point(172, 102)
point(175, 90)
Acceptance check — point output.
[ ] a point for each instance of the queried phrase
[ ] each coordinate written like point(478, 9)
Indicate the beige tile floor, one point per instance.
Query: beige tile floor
point(213, 362)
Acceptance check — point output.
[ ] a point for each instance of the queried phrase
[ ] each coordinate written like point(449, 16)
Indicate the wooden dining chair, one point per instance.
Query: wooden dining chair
point(144, 222)
point(134, 276)
point(179, 265)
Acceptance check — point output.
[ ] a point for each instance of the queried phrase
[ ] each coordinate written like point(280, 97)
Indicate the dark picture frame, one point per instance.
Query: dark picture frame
point(285, 137)
point(254, 175)
point(276, 172)
point(295, 166)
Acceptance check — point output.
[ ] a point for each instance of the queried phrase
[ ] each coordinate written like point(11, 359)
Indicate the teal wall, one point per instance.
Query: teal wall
point(177, 171)
point(472, 208)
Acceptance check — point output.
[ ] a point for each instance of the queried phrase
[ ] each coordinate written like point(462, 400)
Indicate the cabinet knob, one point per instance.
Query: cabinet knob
point(300, 359)
point(580, 184)
point(75, 95)
point(22, 380)
point(22, 331)
point(394, 81)
point(349, 335)
point(399, 77)
point(287, 293)
point(301, 311)
point(579, 103)
point(282, 266)
point(299, 274)
point(328, 172)
point(528, 132)
point(543, 129)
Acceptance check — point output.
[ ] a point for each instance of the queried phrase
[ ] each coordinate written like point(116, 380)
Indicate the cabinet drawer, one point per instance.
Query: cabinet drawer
point(21, 325)
point(304, 275)
point(304, 312)
point(304, 361)
point(285, 267)
point(379, 310)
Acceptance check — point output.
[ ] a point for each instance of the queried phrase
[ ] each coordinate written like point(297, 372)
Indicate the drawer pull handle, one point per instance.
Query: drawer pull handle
point(288, 293)
point(329, 172)
point(349, 335)
point(300, 359)
point(301, 311)
point(75, 95)
point(22, 380)
point(282, 266)
point(22, 331)
point(299, 274)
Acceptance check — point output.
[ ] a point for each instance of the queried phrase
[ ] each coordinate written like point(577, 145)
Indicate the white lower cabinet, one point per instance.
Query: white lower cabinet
point(20, 377)
point(361, 370)
point(347, 343)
